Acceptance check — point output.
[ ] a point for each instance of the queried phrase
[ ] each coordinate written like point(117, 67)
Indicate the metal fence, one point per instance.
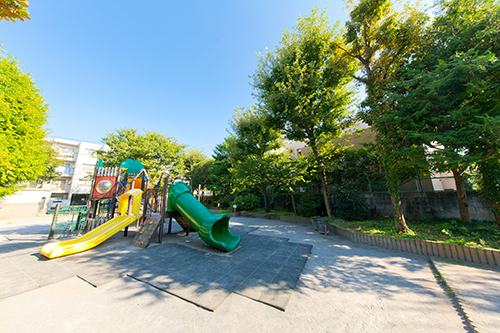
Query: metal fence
point(434, 184)
point(68, 221)
point(103, 213)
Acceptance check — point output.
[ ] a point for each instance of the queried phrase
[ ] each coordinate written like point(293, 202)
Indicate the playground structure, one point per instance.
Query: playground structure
point(101, 233)
point(140, 202)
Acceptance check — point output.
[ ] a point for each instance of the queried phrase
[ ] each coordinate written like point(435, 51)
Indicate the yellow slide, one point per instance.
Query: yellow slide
point(100, 234)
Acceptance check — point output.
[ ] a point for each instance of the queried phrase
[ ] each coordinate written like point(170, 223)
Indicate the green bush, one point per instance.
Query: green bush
point(348, 207)
point(311, 204)
point(247, 202)
point(225, 202)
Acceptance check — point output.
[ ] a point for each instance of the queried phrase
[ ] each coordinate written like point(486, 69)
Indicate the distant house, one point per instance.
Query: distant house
point(72, 187)
point(360, 136)
point(355, 138)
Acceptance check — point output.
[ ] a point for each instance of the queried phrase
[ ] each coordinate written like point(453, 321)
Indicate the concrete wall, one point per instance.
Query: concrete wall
point(429, 204)
point(25, 203)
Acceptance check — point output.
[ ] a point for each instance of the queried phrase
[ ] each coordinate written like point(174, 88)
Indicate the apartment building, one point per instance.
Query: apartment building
point(73, 185)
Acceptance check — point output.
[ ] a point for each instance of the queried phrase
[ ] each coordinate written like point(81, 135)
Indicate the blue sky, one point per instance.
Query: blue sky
point(176, 67)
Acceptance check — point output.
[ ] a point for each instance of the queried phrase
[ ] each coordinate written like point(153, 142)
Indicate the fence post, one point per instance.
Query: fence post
point(420, 183)
point(54, 221)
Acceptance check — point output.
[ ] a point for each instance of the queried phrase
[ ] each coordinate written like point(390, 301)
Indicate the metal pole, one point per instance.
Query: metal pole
point(54, 221)
point(163, 208)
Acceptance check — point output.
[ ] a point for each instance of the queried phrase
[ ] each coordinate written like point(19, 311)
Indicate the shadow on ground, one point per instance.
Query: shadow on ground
point(262, 268)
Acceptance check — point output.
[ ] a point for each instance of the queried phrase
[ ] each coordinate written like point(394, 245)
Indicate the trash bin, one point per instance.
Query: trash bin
point(320, 224)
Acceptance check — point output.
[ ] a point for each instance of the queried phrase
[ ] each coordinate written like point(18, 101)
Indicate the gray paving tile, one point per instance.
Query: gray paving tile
point(12, 248)
point(206, 295)
point(20, 284)
point(278, 299)
point(185, 267)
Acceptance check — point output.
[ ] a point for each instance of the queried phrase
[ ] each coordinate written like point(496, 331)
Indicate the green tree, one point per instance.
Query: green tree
point(156, 151)
point(12, 10)
point(197, 166)
point(24, 154)
point(354, 170)
point(257, 162)
point(220, 178)
point(303, 87)
point(52, 163)
point(193, 157)
point(450, 95)
point(381, 39)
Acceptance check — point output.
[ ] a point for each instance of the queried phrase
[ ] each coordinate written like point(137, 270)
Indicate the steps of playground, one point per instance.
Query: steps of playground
point(146, 231)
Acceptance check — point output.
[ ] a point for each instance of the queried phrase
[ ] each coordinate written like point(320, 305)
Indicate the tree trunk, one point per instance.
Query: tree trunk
point(495, 209)
point(266, 199)
point(463, 204)
point(293, 202)
point(397, 209)
point(491, 191)
point(323, 178)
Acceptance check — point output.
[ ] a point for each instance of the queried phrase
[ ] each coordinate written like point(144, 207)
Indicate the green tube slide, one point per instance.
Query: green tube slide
point(212, 229)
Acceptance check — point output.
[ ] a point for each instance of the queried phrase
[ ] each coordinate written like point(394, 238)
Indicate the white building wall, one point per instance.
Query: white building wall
point(76, 174)
point(75, 178)
point(298, 148)
point(28, 202)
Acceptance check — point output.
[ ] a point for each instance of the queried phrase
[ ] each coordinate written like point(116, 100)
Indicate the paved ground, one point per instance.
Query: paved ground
point(344, 287)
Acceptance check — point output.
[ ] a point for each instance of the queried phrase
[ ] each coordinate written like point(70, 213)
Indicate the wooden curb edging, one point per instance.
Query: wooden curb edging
point(423, 247)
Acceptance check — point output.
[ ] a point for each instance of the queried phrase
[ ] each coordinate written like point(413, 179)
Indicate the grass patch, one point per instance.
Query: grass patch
point(484, 234)
point(222, 211)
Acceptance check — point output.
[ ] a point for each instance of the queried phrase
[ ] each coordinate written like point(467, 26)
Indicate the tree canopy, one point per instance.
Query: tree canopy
point(448, 96)
point(24, 154)
point(259, 162)
point(223, 155)
point(156, 151)
point(381, 38)
point(12, 10)
point(197, 166)
point(303, 87)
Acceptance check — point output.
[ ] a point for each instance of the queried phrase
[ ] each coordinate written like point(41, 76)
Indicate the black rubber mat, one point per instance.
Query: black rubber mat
point(265, 269)
point(262, 268)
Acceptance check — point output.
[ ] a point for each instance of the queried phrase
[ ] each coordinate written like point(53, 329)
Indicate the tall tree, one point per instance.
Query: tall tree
point(260, 163)
point(156, 151)
point(221, 180)
point(381, 39)
point(12, 10)
point(197, 166)
point(24, 154)
point(303, 87)
point(449, 96)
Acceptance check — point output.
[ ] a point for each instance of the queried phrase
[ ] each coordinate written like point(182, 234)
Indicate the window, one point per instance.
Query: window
point(69, 168)
point(59, 184)
point(84, 182)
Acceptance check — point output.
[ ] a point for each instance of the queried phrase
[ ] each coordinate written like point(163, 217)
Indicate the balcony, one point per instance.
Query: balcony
point(67, 156)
